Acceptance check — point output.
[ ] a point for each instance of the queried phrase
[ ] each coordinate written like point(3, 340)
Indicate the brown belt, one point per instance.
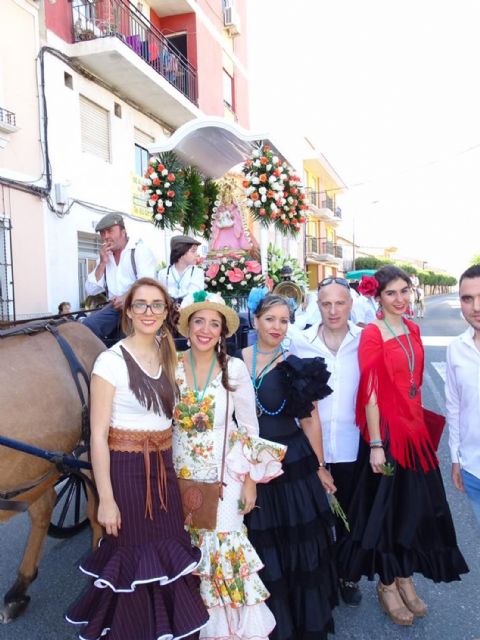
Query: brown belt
point(131, 441)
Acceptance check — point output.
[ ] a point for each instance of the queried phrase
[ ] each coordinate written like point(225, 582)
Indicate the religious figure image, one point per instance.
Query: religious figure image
point(228, 230)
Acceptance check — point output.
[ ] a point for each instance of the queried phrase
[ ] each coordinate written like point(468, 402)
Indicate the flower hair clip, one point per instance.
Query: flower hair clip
point(368, 286)
point(256, 295)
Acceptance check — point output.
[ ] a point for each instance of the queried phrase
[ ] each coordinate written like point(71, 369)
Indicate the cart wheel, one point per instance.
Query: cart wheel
point(69, 514)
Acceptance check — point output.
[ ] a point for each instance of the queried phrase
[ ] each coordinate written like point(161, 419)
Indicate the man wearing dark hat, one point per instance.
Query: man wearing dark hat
point(121, 262)
point(182, 276)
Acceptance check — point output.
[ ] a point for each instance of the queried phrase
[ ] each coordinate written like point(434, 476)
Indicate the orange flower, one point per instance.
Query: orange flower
point(263, 160)
point(171, 177)
point(254, 195)
point(263, 177)
point(246, 183)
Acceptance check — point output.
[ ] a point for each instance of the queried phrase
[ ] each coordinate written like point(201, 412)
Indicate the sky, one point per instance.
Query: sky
point(389, 92)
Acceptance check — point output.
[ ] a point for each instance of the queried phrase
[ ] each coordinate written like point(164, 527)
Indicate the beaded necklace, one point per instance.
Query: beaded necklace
point(412, 392)
point(256, 385)
point(199, 397)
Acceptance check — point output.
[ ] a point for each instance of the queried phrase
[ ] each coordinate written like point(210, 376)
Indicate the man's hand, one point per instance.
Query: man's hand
point(105, 252)
point(117, 302)
point(457, 476)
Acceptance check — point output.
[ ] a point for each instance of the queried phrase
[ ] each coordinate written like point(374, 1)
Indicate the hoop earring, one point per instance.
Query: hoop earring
point(379, 312)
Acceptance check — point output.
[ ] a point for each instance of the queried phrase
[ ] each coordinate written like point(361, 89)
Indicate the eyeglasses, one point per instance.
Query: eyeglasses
point(331, 280)
point(141, 307)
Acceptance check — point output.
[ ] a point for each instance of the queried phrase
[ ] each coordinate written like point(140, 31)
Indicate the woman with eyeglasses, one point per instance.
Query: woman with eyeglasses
point(142, 585)
point(399, 516)
point(292, 527)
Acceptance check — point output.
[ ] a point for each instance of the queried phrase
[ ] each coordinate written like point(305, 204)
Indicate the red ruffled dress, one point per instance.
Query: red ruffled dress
point(400, 524)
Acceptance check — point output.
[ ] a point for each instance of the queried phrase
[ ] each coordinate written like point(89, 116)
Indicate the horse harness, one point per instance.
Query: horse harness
point(62, 462)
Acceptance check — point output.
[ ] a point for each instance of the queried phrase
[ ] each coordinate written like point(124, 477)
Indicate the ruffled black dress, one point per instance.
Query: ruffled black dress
point(292, 528)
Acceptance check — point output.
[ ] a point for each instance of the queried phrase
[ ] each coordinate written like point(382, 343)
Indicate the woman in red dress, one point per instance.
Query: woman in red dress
point(399, 516)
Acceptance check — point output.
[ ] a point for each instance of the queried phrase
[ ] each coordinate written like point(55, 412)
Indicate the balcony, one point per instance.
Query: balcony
point(120, 45)
point(8, 124)
point(321, 250)
point(323, 206)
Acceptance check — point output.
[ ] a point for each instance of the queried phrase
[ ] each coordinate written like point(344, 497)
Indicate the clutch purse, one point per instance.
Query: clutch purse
point(435, 425)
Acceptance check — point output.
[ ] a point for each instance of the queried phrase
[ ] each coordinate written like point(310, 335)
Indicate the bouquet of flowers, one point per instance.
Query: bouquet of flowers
point(164, 186)
point(274, 193)
point(232, 274)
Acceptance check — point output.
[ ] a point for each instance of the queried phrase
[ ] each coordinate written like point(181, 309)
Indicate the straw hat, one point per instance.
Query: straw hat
point(206, 300)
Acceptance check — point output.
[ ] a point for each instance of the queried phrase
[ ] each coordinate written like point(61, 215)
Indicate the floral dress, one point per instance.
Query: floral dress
point(230, 586)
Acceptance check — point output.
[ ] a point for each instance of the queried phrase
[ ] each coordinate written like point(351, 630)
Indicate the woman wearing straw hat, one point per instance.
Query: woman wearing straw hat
point(213, 387)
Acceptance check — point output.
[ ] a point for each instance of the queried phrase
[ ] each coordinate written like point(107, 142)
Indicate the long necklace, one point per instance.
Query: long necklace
point(199, 397)
point(412, 392)
point(256, 385)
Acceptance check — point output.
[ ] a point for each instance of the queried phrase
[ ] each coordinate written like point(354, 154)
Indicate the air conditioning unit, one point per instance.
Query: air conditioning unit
point(231, 20)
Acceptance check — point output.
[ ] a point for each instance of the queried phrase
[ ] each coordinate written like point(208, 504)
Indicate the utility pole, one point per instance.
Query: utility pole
point(353, 240)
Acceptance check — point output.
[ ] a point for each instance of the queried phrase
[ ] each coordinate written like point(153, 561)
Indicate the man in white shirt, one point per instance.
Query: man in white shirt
point(120, 263)
point(336, 340)
point(182, 276)
point(364, 310)
point(462, 390)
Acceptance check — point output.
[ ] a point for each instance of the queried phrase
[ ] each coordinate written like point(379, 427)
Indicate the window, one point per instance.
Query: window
point(228, 90)
point(95, 129)
point(88, 250)
point(68, 80)
point(7, 310)
point(142, 140)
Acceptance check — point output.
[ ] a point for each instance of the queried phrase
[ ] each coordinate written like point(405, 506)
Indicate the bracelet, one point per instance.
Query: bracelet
point(376, 442)
point(376, 446)
point(322, 465)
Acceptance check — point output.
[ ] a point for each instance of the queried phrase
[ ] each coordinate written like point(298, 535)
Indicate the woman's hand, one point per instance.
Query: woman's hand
point(109, 516)
point(377, 459)
point(326, 480)
point(248, 495)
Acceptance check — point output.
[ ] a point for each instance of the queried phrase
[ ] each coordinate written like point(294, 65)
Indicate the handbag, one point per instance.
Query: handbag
point(200, 499)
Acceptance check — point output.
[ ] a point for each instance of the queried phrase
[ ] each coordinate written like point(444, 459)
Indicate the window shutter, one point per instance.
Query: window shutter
point(95, 129)
point(143, 139)
point(88, 244)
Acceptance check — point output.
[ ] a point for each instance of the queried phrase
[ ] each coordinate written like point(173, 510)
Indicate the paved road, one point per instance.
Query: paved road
point(454, 609)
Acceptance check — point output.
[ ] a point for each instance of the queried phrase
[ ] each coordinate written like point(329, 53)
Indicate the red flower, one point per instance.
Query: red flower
point(263, 177)
point(262, 211)
point(277, 172)
point(263, 160)
point(266, 149)
point(170, 193)
point(212, 270)
point(246, 183)
point(154, 197)
point(171, 177)
point(156, 181)
point(254, 195)
point(150, 170)
point(368, 286)
point(160, 209)
point(253, 266)
point(160, 167)
point(235, 275)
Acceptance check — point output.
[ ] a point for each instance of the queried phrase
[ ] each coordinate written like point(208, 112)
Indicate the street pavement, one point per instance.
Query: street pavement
point(454, 609)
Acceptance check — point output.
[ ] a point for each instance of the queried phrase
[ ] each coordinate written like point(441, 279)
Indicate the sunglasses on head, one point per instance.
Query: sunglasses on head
point(331, 280)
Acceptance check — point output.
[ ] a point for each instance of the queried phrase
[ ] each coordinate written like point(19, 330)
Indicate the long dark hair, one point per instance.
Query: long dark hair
point(168, 353)
point(387, 274)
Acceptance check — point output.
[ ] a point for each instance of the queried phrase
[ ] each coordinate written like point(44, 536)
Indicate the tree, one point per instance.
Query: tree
point(475, 259)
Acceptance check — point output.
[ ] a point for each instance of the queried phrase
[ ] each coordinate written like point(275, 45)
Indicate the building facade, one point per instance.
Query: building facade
point(113, 78)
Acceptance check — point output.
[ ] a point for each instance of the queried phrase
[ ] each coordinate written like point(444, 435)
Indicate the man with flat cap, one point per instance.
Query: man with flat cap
point(182, 276)
point(121, 262)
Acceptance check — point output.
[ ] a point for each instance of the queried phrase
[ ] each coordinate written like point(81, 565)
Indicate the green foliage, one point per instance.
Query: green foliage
point(425, 277)
point(475, 259)
point(210, 192)
point(195, 204)
point(370, 262)
point(277, 259)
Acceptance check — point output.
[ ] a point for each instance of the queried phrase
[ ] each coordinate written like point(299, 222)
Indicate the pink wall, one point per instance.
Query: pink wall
point(175, 24)
point(58, 18)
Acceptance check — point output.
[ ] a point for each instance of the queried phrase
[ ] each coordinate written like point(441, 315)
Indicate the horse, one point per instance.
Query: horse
point(41, 406)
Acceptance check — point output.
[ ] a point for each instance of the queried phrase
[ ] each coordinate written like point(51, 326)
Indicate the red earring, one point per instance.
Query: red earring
point(379, 312)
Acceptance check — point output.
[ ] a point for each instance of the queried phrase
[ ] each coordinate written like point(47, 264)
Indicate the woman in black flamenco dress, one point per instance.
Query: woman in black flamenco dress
point(292, 528)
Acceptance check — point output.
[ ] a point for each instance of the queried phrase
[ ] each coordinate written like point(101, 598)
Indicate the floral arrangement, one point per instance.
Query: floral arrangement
point(164, 186)
point(232, 274)
point(274, 193)
point(368, 286)
point(201, 202)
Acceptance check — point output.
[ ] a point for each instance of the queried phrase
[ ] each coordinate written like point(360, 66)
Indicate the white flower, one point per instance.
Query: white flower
point(158, 216)
point(250, 190)
point(273, 207)
point(213, 282)
point(158, 192)
point(263, 198)
point(268, 167)
point(224, 260)
point(257, 277)
point(222, 268)
point(153, 175)
point(168, 203)
point(249, 202)
point(255, 180)
point(248, 276)
point(256, 154)
point(272, 179)
point(257, 203)
point(166, 185)
point(165, 172)
point(290, 215)
point(222, 279)
point(229, 286)
point(148, 182)
point(243, 283)
point(218, 202)
point(262, 190)
point(286, 207)
point(151, 202)
point(242, 260)
point(275, 159)
point(257, 163)
point(283, 216)
point(290, 200)
point(283, 176)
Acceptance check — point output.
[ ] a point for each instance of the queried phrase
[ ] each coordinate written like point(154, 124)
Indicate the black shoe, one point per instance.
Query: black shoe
point(350, 592)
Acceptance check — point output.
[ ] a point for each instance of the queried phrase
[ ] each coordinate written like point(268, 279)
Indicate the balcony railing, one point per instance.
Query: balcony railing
point(320, 246)
point(321, 200)
point(7, 117)
point(107, 18)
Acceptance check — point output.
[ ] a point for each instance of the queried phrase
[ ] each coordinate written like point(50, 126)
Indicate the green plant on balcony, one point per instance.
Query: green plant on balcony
point(277, 259)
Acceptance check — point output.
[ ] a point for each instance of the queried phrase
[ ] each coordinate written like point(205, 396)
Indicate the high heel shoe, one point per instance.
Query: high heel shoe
point(392, 603)
point(407, 592)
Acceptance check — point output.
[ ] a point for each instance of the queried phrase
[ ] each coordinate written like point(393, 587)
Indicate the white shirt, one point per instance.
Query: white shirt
point(309, 315)
point(119, 278)
point(127, 412)
point(462, 390)
point(336, 411)
point(191, 280)
point(364, 309)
